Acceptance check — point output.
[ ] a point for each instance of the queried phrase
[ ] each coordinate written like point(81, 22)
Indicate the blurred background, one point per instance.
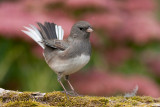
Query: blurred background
point(125, 45)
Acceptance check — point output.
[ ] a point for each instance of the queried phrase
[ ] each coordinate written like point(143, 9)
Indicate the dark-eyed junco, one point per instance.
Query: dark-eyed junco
point(63, 56)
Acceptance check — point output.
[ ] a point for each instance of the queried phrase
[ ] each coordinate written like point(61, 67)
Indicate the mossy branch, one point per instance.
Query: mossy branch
point(14, 98)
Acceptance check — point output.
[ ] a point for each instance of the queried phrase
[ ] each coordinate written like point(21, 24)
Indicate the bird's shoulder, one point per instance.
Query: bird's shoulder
point(76, 48)
point(57, 44)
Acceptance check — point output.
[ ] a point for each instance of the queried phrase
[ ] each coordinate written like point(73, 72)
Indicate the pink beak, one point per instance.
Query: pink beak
point(89, 29)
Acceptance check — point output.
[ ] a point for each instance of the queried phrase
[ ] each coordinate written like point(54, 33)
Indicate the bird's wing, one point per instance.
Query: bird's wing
point(59, 44)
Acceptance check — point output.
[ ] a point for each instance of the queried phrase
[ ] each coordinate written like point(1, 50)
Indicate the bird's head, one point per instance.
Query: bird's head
point(81, 30)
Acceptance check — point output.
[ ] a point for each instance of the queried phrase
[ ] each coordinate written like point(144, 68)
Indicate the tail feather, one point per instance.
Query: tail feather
point(60, 32)
point(53, 27)
point(47, 31)
point(36, 30)
point(51, 31)
point(34, 34)
point(43, 31)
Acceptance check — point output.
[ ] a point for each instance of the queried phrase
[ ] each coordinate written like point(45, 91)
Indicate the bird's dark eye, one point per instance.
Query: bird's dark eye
point(81, 28)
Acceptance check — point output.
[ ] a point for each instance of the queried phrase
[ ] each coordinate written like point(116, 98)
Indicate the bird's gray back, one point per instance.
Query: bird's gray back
point(76, 48)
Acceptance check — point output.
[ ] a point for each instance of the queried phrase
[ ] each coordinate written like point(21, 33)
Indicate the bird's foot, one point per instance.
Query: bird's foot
point(72, 93)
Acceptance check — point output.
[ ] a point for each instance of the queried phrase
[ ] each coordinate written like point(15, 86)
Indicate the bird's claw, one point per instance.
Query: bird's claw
point(71, 93)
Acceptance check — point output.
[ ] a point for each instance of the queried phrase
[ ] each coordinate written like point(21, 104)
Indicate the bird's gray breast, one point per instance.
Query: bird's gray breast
point(70, 60)
point(71, 65)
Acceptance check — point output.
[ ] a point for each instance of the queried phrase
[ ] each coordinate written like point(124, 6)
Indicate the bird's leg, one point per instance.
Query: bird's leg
point(67, 93)
point(67, 79)
point(59, 80)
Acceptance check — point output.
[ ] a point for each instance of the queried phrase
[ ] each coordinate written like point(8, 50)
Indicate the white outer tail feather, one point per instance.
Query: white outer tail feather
point(59, 32)
point(34, 33)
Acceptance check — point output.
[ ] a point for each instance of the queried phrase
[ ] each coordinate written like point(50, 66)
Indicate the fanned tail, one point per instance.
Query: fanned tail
point(48, 31)
point(34, 33)
point(51, 31)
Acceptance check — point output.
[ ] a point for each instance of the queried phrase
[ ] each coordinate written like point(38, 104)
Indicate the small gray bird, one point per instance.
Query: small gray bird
point(63, 56)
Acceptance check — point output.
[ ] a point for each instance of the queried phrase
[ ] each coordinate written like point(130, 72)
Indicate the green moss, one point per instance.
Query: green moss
point(29, 103)
point(143, 99)
point(57, 98)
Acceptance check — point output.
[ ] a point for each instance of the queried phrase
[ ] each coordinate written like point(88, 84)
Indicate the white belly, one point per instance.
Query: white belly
point(71, 65)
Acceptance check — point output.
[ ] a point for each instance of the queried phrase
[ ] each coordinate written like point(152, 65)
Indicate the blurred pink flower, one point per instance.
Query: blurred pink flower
point(106, 84)
point(118, 55)
point(118, 23)
point(86, 3)
point(152, 61)
point(106, 21)
point(95, 40)
point(139, 27)
point(139, 5)
point(13, 19)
